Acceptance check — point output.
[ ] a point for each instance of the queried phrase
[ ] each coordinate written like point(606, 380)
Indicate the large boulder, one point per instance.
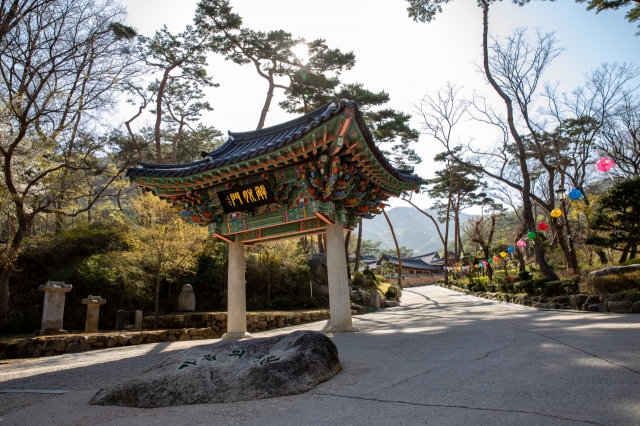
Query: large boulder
point(229, 371)
point(186, 299)
point(614, 270)
point(318, 267)
point(624, 307)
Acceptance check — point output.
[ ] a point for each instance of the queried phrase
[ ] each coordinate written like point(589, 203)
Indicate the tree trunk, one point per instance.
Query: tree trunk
point(321, 248)
point(393, 234)
point(527, 211)
point(169, 296)
point(159, 96)
point(157, 310)
point(9, 265)
point(267, 102)
point(357, 265)
point(603, 256)
point(625, 253)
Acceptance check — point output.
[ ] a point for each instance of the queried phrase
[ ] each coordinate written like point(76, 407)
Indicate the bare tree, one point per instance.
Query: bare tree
point(621, 136)
point(513, 70)
point(61, 67)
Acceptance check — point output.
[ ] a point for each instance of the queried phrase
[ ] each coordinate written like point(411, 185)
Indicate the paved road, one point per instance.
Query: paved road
point(440, 359)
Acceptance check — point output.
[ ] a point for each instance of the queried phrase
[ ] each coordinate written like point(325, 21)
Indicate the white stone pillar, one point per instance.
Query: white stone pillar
point(339, 302)
point(53, 310)
point(138, 325)
point(237, 299)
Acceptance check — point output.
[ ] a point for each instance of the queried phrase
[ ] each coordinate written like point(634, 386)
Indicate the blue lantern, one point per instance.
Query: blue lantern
point(575, 194)
point(511, 249)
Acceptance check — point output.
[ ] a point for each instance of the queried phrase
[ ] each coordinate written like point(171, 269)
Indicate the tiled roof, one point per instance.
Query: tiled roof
point(411, 263)
point(246, 145)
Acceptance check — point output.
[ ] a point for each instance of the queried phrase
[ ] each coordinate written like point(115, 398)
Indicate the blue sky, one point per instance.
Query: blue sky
point(393, 53)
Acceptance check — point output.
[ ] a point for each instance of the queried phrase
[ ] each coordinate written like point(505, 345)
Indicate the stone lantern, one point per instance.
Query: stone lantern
point(93, 312)
point(53, 311)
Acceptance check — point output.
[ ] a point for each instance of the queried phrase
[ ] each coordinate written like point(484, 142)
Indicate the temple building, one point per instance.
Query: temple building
point(315, 174)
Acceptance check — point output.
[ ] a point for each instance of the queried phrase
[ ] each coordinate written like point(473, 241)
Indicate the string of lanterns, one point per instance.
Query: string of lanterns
point(603, 165)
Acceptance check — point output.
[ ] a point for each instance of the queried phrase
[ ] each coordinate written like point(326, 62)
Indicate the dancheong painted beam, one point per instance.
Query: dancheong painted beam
point(283, 181)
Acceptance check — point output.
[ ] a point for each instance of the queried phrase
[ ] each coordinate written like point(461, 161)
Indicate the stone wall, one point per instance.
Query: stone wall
point(175, 328)
point(256, 321)
point(614, 303)
point(416, 280)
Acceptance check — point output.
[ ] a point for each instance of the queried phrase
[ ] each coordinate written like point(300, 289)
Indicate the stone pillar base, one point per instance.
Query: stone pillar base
point(342, 329)
point(237, 335)
point(50, 332)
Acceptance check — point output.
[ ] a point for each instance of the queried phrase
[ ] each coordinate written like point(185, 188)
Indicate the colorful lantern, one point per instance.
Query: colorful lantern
point(522, 243)
point(490, 261)
point(510, 250)
point(497, 258)
point(575, 194)
point(605, 164)
point(531, 235)
point(504, 254)
point(543, 226)
point(556, 213)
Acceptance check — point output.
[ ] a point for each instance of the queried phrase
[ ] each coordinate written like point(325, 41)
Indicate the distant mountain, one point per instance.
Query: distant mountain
point(413, 229)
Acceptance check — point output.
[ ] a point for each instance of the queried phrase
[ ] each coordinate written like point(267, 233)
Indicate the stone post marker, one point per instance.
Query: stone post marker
point(120, 320)
point(138, 320)
point(187, 300)
point(93, 312)
point(53, 307)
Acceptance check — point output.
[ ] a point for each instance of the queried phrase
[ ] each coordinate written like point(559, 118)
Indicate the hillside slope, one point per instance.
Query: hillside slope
point(413, 229)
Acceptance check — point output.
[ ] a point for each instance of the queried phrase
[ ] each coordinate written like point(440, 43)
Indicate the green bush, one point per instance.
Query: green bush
point(523, 286)
point(392, 291)
point(357, 280)
point(368, 273)
point(539, 285)
point(493, 287)
point(553, 288)
point(635, 261)
point(478, 287)
point(570, 286)
point(524, 275)
point(369, 283)
point(283, 303)
point(560, 288)
point(440, 281)
point(506, 287)
point(612, 283)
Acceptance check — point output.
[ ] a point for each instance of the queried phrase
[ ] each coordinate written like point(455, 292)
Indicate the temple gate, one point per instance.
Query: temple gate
point(315, 174)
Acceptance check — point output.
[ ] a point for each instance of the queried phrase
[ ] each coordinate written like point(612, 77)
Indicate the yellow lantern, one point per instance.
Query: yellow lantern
point(503, 254)
point(556, 213)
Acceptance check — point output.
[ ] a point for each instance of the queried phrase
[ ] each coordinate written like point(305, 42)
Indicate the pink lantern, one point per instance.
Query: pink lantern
point(485, 263)
point(522, 243)
point(605, 164)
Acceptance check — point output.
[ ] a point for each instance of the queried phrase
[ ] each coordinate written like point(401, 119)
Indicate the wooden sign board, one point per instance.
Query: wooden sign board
point(242, 198)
